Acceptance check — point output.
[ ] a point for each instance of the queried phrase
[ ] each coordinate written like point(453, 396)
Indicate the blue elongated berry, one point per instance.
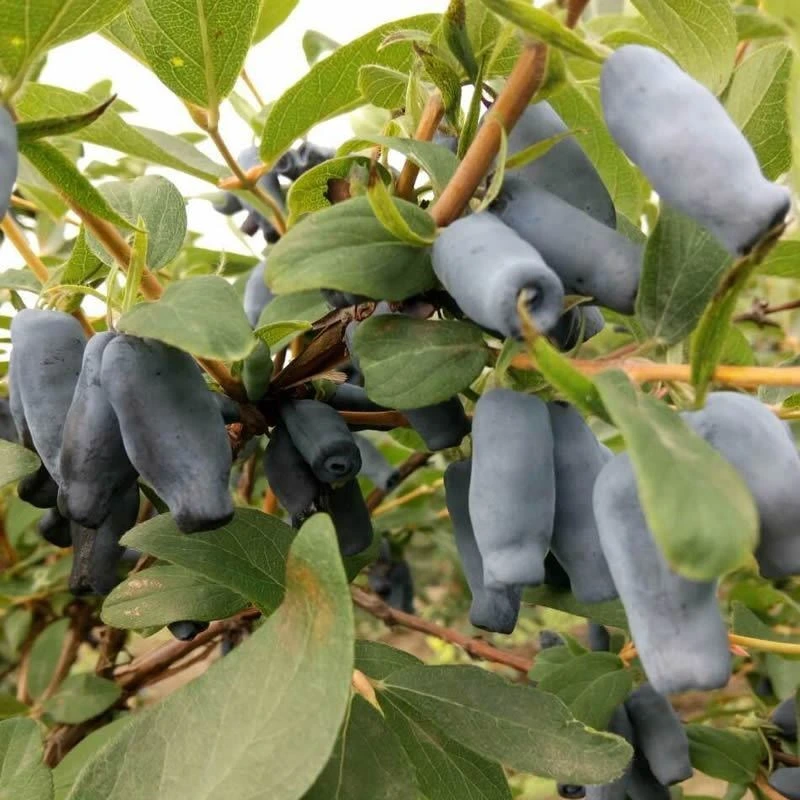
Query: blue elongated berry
point(493, 610)
point(784, 718)
point(9, 159)
point(577, 325)
point(666, 612)
point(786, 780)
point(256, 294)
point(565, 169)
point(350, 516)
point(659, 735)
point(375, 466)
point(186, 629)
point(588, 257)
point(512, 488)
point(55, 529)
point(578, 458)
point(692, 152)
point(46, 356)
point(323, 439)
point(761, 449)
point(93, 464)
point(599, 638)
point(487, 267)
point(172, 429)
point(289, 476)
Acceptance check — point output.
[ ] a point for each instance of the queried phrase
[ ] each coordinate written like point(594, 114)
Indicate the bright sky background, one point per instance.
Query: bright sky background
point(273, 65)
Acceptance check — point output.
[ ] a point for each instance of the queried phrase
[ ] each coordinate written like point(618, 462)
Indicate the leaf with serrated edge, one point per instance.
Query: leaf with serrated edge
point(524, 728)
point(262, 721)
point(202, 316)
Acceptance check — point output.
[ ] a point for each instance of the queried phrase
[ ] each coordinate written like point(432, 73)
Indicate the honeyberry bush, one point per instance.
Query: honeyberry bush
point(302, 700)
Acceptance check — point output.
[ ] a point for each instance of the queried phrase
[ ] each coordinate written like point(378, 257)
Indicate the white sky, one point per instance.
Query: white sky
point(273, 65)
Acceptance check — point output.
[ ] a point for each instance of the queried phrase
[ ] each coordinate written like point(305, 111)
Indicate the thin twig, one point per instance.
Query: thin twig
point(420, 491)
point(647, 371)
point(523, 82)
point(270, 502)
point(252, 87)
point(477, 648)
point(409, 466)
point(428, 124)
point(574, 10)
point(761, 309)
point(278, 221)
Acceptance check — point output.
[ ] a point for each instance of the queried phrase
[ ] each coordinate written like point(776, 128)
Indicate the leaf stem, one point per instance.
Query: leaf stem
point(765, 645)
point(252, 87)
point(428, 124)
point(476, 648)
point(246, 182)
point(523, 82)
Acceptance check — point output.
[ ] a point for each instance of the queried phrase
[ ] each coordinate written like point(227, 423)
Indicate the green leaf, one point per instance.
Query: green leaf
point(524, 728)
point(60, 126)
point(310, 191)
point(752, 23)
point(67, 770)
point(445, 78)
point(39, 101)
point(164, 593)
point(279, 334)
point(316, 45)
point(577, 674)
point(331, 86)
point(783, 260)
point(196, 48)
point(345, 247)
point(609, 613)
point(683, 264)
point(410, 363)
point(32, 27)
point(247, 556)
point(15, 462)
point(367, 762)
point(262, 721)
point(701, 34)
point(377, 660)
point(681, 477)
point(61, 173)
point(44, 656)
point(272, 15)
point(444, 769)
point(382, 86)
point(82, 266)
point(20, 280)
point(387, 210)
point(595, 705)
point(544, 26)
point(307, 306)
point(757, 101)
point(162, 208)
point(579, 107)
point(435, 159)
point(81, 697)
point(11, 707)
point(23, 774)
point(202, 316)
point(728, 754)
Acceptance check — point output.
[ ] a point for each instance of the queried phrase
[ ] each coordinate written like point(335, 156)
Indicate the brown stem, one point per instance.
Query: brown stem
point(409, 466)
point(380, 419)
point(574, 10)
point(252, 87)
point(761, 309)
point(477, 648)
point(278, 221)
point(35, 264)
point(247, 479)
point(523, 82)
point(270, 502)
point(69, 652)
point(428, 124)
point(645, 371)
